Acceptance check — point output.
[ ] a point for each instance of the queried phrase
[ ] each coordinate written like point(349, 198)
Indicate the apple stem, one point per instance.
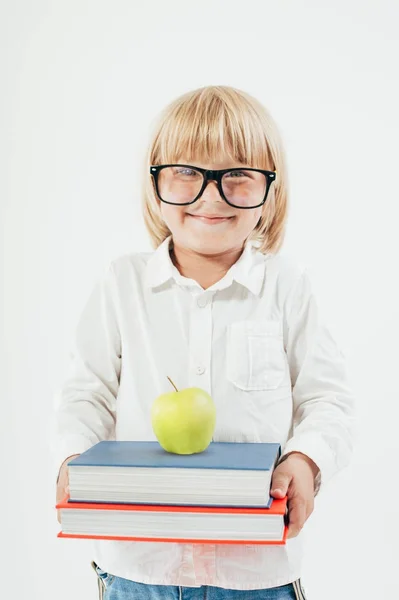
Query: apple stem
point(172, 384)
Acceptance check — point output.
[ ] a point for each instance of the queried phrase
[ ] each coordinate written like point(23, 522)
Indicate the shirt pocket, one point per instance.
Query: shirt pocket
point(255, 355)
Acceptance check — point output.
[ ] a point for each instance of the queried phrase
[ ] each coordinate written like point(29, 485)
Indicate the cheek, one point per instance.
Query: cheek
point(172, 215)
point(249, 219)
point(257, 215)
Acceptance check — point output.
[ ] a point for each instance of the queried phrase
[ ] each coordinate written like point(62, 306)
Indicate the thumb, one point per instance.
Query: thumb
point(280, 483)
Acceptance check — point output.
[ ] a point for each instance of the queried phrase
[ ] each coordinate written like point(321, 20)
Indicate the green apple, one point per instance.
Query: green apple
point(184, 421)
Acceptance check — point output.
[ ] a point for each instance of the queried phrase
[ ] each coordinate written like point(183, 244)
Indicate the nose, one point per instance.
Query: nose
point(211, 192)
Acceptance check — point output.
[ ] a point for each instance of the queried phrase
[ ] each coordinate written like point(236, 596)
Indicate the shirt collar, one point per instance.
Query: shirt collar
point(247, 271)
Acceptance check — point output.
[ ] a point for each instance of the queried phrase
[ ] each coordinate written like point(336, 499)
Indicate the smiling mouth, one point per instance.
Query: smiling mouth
point(210, 219)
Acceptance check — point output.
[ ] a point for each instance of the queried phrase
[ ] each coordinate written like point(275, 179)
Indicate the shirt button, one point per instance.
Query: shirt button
point(202, 302)
point(200, 370)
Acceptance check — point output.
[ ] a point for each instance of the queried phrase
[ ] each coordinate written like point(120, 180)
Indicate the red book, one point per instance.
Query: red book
point(191, 524)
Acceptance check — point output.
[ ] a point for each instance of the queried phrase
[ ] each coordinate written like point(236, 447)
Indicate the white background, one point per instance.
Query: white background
point(80, 85)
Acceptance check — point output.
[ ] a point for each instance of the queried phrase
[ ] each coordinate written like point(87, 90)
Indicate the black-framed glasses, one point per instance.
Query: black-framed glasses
point(184, 184)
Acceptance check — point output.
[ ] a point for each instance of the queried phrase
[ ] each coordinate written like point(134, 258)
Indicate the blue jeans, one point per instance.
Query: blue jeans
point(116, 588)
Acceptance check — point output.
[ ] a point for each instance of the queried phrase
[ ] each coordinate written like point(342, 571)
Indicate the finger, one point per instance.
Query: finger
point(61, 491)
point(309, 507)
point(63, 482)
point(296, 516)
point(280, 484)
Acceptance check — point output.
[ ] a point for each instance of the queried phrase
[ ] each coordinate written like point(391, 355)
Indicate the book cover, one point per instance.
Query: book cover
point(218, 455)
point(278, 507)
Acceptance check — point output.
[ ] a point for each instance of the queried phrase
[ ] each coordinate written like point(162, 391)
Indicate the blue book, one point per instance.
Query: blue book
point(225, 474)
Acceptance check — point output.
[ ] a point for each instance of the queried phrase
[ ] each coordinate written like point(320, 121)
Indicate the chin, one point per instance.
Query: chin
point(211, 245)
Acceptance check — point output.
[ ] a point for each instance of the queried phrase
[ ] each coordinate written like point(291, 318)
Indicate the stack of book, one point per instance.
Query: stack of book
point(138, 491)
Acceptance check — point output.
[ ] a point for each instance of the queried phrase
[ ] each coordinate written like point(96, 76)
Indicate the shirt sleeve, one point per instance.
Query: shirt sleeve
point(86, 409)
point(323, 403)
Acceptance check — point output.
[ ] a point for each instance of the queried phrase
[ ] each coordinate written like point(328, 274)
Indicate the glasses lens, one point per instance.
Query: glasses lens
point(244, 188)
point(179, 185)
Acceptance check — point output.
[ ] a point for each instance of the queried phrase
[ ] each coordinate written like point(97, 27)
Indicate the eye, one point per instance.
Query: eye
point(185, 171)
point(236, 174)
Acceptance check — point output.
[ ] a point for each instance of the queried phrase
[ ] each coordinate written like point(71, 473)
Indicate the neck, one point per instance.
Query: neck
point(205, 269)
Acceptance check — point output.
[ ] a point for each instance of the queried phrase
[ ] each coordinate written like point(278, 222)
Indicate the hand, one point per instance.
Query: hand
point(63, 482)
point(295, 477)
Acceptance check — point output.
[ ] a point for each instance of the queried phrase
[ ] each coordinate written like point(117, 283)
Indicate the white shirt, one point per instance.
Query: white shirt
point(254, 341)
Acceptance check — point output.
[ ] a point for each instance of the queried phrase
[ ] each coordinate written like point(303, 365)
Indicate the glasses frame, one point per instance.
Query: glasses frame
point(215, 175)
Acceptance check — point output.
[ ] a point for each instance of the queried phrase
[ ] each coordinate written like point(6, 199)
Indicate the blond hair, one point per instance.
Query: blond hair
point(204, 124)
